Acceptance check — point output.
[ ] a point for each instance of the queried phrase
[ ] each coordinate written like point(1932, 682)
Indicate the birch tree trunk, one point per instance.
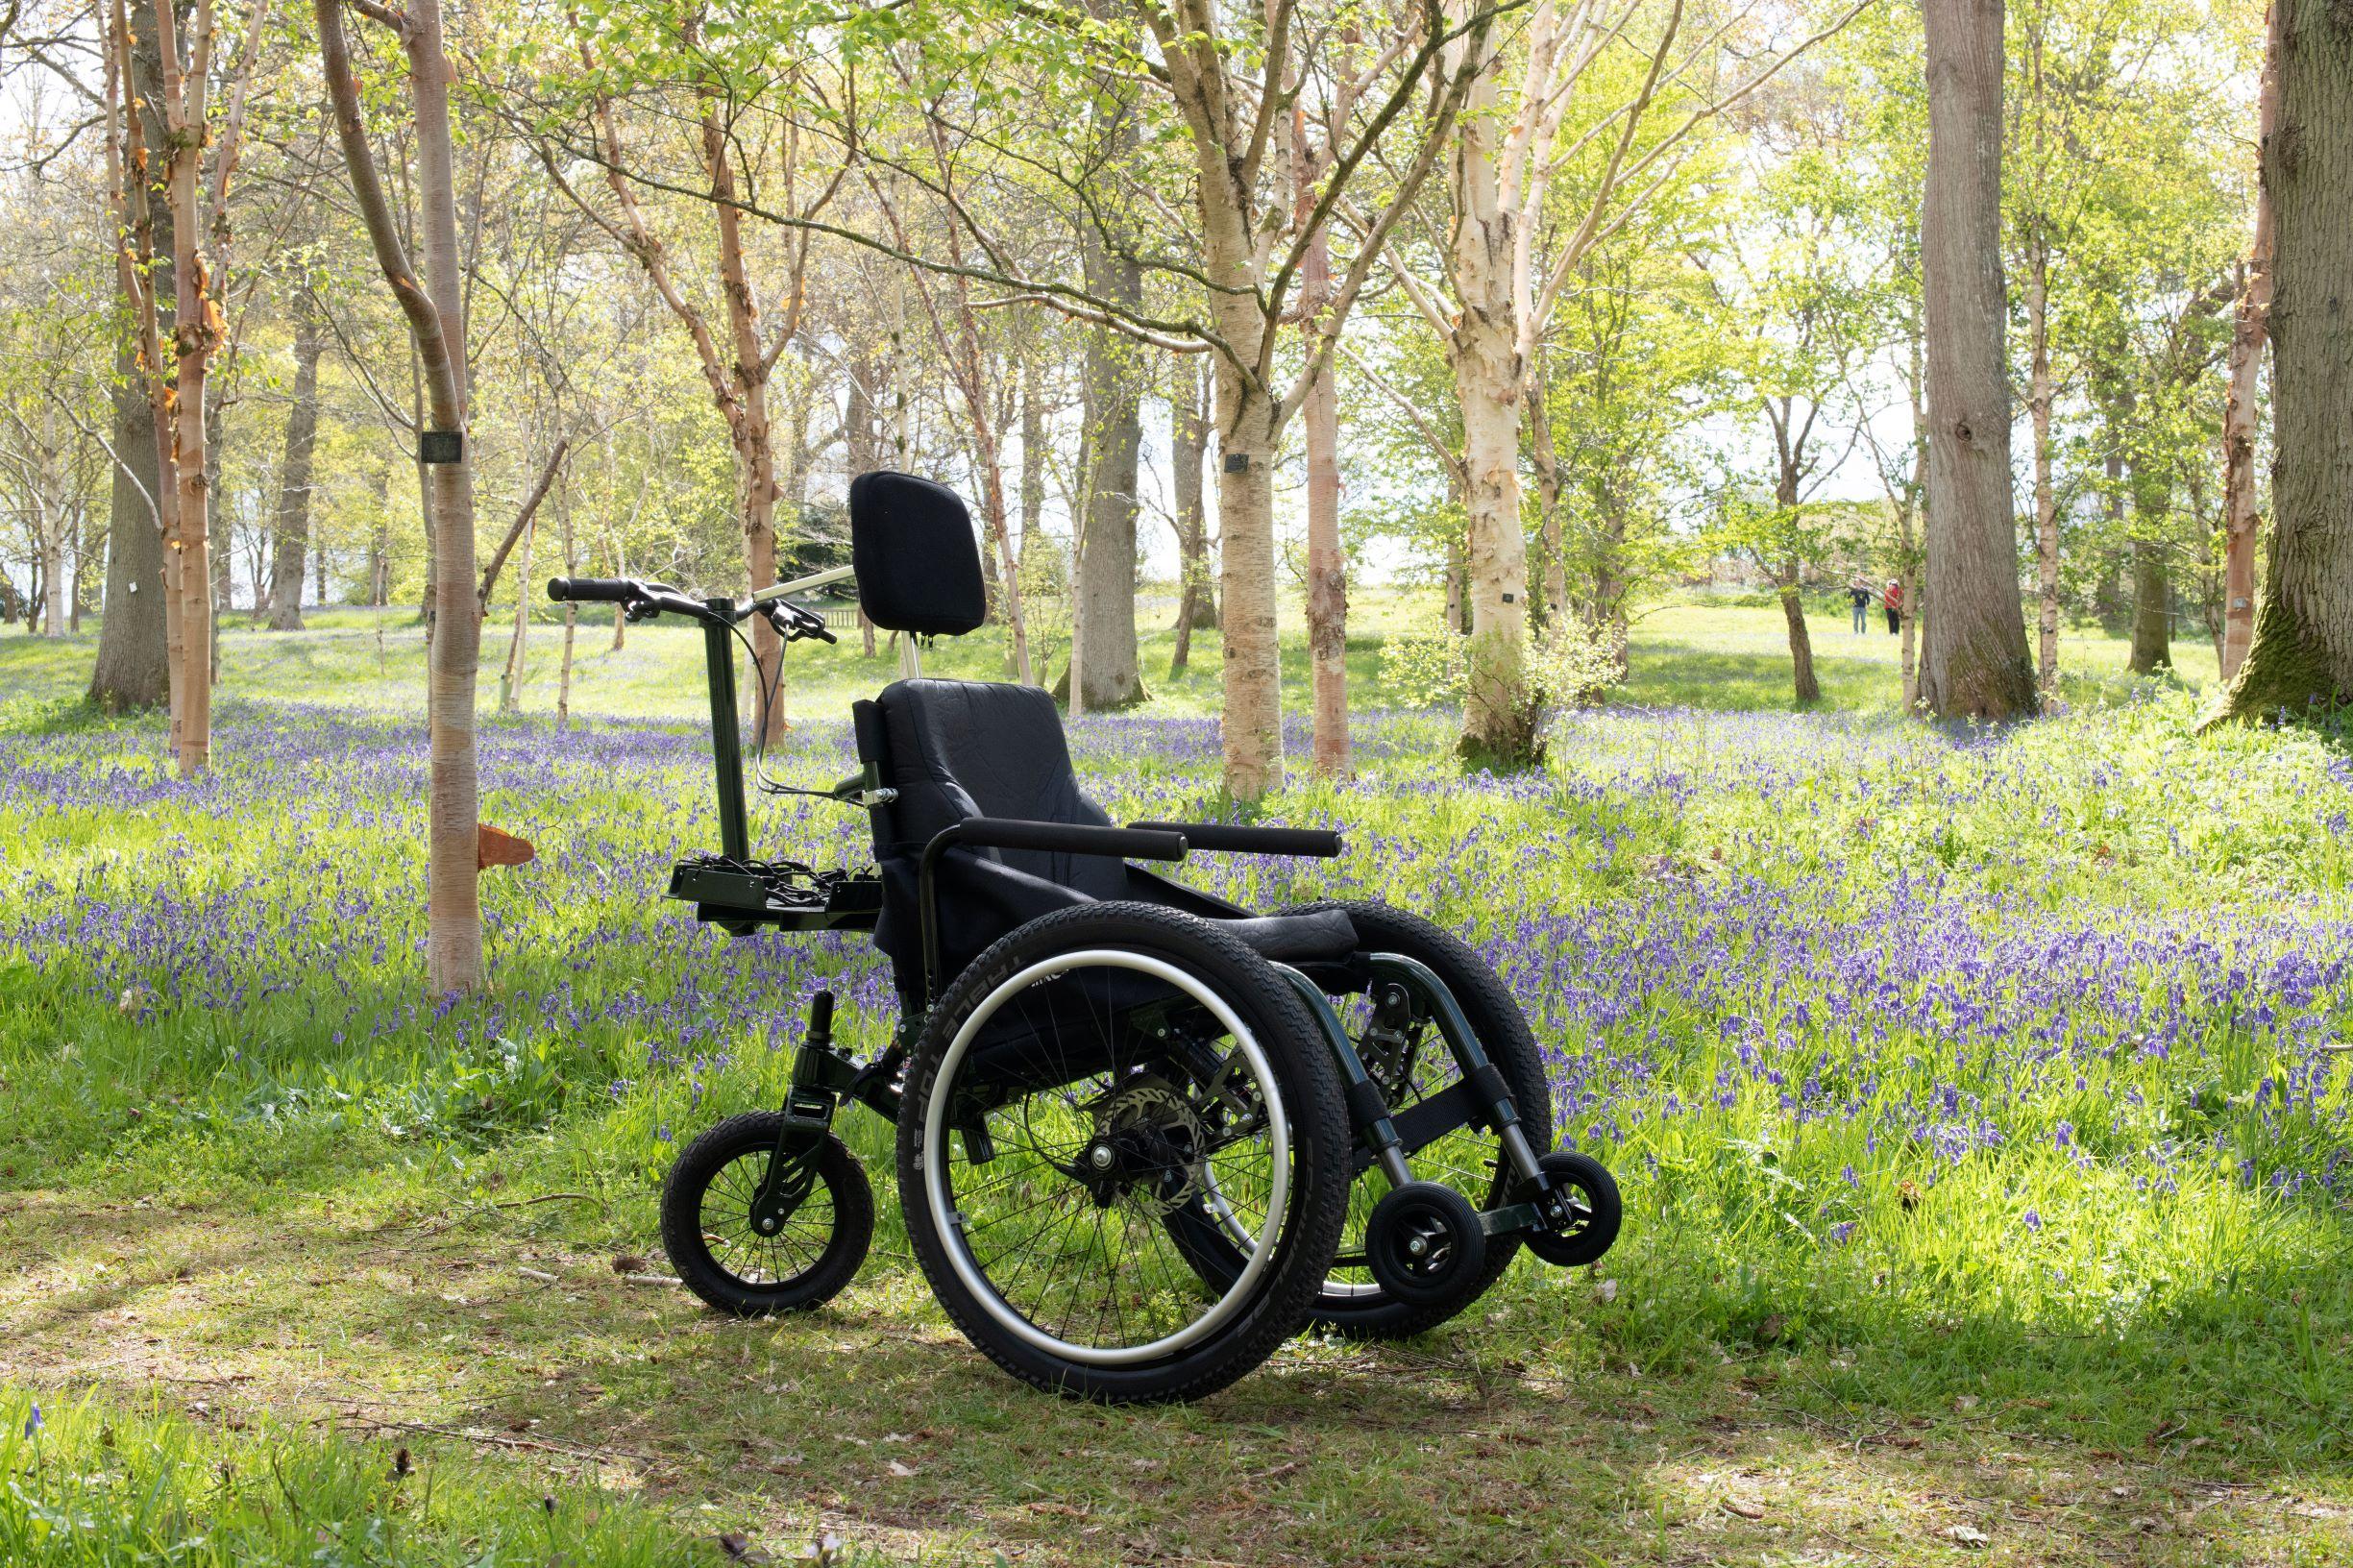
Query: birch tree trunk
point(1327, 567)
point(437, 323)
point(1977, 664)
point(510, 673)
point(572, 616)
point(2301, 650)
point(292, 542)
point(1187, 445)
point(1499, 715)
point(454, 934)
point(2241, 522)
point(2040, 394)
point(1103, 593)
point(52, 520)
point(1252, 715)
point(1556, 601)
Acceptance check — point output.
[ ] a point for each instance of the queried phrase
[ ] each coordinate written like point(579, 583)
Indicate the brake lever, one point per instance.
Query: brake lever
point(795, 625)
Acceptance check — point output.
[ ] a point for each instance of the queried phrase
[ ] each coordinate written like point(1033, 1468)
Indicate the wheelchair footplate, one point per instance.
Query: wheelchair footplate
point(743, 895)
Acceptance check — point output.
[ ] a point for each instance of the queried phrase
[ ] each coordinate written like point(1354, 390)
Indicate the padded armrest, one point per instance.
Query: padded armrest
point(1138, 842)
point(1314, 843)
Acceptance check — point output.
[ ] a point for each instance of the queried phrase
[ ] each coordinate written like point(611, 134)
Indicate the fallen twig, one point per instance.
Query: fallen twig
point(545, 1197)
point(574, 1451)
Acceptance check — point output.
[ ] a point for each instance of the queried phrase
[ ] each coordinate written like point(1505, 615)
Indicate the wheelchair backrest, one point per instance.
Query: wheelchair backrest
point(919, 568)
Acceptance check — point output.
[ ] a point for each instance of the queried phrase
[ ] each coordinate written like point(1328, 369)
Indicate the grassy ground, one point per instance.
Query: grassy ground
point(1972, 1097)
point(1689, 651)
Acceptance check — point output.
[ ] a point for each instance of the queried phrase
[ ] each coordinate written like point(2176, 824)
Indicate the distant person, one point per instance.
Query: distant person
point(1858, 590)
point(1893, 598)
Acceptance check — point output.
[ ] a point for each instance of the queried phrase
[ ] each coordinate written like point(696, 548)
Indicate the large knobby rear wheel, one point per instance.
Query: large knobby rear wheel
point(1093, 1072)
point(1410, 1060)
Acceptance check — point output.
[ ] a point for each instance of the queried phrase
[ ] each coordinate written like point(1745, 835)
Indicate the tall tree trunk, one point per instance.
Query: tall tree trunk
point(572, 616)
point(1789, 576)
point(1556, 601)
point(2039, 393)
point(1907, 616)
point(144, 278)
point(1032, 452)
point(436, 322)
point(2152, 608)
point(748, 421)
point(1103, 601)
point(52, 522)
point(1327, 595)
point(133, 669)
point(858, 437)
point(1252, 716)
point(1327, 567)
point(2301, 651)
point(1188, 447)
point(293, 541)
point(510, 673)
point(379, 548)
point(1500, 716)
point(1450, 590)
point(1976, 663)
point(1806, 686)
point(2241, 522)
point(89, 563)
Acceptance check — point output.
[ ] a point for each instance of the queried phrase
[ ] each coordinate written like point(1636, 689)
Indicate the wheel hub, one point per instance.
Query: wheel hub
point(1146, 1147)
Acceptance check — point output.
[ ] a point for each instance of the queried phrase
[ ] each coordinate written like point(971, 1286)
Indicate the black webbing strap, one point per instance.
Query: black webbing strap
point(1495, 1103)
point(1421, 1125)
point(1367, 1104)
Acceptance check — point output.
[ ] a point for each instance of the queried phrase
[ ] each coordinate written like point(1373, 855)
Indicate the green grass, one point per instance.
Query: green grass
point(269, 1217)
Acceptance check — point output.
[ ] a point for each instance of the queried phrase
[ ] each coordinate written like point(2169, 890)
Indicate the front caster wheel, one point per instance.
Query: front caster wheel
point(1590, 1211)
point(1423, 1244)
point(786, 1256)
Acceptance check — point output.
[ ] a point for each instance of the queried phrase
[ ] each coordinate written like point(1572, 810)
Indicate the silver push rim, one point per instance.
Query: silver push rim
point(949, 1224)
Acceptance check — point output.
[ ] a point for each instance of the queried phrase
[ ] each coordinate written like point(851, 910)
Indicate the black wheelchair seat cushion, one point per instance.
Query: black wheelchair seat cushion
point(1325, 936)
point(912, 544)
point(964, 749)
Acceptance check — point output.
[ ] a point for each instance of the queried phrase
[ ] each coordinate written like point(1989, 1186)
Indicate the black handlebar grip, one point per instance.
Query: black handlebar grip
point(591, 590)
point(821, 1016)
point(1316, 843)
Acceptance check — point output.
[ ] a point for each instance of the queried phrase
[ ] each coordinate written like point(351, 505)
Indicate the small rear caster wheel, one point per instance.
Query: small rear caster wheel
point(1587, 1210)
point(1423, 1244)
point(798, 1250)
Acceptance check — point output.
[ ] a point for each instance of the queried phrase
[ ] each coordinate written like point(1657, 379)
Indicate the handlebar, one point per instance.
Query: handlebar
point(592, 590)
point(793, 622)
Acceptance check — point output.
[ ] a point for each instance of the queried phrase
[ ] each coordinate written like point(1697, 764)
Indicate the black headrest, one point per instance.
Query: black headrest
point(911, 542)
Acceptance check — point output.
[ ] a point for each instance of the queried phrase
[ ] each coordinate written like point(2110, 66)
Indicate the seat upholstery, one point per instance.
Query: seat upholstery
point(956, 749)
point(971, 749)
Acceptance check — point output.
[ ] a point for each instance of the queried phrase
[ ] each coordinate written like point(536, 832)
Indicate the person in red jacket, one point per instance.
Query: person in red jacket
point(1893, 598)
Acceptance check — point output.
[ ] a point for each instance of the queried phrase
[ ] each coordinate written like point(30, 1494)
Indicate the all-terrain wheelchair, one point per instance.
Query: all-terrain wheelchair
point(1144, 1135)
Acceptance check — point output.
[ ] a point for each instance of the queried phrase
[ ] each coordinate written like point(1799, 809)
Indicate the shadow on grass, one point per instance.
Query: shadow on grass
point(1549, 1422)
